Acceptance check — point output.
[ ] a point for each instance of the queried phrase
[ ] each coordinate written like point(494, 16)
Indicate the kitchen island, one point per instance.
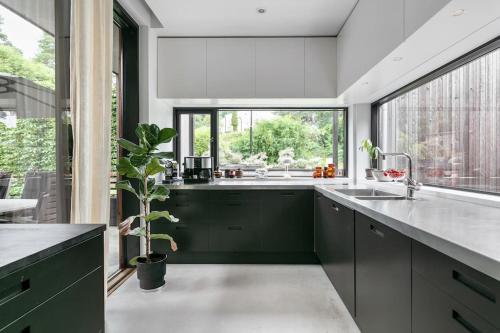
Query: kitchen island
point(51, 278)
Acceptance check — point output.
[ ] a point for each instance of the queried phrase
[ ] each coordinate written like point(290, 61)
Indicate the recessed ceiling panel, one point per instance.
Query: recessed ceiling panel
point(242, 17)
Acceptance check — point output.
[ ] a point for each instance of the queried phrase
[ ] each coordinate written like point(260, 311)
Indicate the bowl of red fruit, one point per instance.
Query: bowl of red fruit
point(389, 175)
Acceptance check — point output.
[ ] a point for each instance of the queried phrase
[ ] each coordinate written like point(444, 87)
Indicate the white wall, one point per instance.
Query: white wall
point(359, 122)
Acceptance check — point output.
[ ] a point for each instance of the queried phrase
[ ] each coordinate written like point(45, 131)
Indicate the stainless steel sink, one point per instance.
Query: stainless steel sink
point(370, 194)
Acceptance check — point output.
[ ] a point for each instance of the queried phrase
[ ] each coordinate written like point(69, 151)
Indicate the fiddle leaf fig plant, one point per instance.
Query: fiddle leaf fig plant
point(142, 163)
point(367, 145)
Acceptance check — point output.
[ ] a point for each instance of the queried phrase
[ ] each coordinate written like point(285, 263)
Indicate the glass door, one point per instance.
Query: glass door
point(196, 135)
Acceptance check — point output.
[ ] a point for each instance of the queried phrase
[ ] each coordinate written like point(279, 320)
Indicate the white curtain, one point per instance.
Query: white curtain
point(90, 99)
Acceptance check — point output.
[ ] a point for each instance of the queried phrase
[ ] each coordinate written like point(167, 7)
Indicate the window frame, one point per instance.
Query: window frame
point(214, 113)
point(464, 59)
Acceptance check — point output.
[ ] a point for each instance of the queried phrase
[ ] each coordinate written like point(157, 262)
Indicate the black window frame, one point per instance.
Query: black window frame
point(214, 112)
point(464, 59)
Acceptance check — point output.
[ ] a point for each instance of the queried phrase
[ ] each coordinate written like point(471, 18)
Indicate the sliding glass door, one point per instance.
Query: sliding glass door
point(35, 130)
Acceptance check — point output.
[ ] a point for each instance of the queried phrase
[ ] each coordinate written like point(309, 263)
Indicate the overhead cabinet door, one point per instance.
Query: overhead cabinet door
point(182, 68)
point(280, 67)
point(230, 67)
point(321, 67)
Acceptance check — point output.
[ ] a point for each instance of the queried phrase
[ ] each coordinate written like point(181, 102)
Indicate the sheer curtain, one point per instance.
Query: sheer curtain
point(90, 77)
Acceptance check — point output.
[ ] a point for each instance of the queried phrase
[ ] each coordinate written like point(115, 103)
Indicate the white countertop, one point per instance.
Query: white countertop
point(258, 184)
point(467, 232)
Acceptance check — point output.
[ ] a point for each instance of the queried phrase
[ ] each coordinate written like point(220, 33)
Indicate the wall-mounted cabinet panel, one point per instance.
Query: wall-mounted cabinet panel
point(280, 67)
point(417, 12)
point(321, 67)
point(230, 67)
point(389, 28)
point(182, 71)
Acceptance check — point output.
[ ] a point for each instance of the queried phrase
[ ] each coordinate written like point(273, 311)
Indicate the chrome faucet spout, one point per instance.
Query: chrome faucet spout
point(411, 184)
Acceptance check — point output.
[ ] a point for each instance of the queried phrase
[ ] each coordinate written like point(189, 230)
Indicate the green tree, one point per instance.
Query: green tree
point(234, 121)
point(46, 51)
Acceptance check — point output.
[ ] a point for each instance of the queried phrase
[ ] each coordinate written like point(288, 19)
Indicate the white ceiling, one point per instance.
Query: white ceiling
point(240, 18)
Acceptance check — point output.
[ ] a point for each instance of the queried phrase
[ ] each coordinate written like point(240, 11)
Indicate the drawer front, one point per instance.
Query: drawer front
point(436, 312)
point(470, 287)
point(78, 309)
point(232, 195)
point(186, 211)
point(27, 288)
point(234, 238)
point(235, 227)
point(189, 195)
point(189, 237)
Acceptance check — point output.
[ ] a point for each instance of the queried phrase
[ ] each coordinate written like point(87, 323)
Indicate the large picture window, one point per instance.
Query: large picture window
point(249, 139)
point(450, 125)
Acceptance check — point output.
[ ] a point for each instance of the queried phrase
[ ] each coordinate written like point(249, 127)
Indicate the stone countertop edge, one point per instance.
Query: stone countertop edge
point(91, 231)
point(252, 184)
point(475, 259)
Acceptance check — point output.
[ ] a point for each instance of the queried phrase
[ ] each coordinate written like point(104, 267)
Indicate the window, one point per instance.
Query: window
point(35, 150)
point(449, 124)
point(254, 138)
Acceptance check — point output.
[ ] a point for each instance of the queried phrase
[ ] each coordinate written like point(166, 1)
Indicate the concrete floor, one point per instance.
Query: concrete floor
point(232, 299)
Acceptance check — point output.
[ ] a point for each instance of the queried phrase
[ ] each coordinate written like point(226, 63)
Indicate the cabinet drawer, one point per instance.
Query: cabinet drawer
point(189, 237)
point(234, 237)
point(77, 309)
point(185, 210)
point(189, 195)
point(436, 312)
point(232, 195)
point(470, 287)
point(26, 288)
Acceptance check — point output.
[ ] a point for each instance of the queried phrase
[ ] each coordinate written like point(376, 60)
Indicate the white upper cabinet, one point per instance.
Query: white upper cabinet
point(182, 68)
point(321, 67)
point(230, 67)
point(293, 67)
point(280, 67)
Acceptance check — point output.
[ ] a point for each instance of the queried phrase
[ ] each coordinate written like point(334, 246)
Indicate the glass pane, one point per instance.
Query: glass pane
point(194, 135)
point(450, 126)
point(250, 139)
point(35, 169)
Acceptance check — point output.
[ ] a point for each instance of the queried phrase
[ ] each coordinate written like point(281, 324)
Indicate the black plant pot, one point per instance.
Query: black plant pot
point(151, 273)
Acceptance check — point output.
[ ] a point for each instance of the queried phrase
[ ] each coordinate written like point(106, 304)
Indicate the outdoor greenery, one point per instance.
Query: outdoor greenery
point(308, 133)
point(142, 164)
point(30, 144)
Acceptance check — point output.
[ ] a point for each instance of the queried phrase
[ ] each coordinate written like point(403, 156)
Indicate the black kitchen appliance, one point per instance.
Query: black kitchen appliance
point(198, 170)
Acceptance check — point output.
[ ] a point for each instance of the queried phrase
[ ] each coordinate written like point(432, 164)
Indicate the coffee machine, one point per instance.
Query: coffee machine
point(198, 170)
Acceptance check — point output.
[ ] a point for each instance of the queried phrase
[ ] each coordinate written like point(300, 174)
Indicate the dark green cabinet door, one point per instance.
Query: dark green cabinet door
point(78, 309)
point(383, 278)
point(287, 221)
point(339, 265)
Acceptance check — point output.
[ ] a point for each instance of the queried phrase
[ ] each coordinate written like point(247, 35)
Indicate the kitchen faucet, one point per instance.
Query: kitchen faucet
point(411, 184)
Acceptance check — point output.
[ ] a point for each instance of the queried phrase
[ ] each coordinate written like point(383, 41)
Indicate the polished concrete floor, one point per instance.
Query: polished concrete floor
point(232, 299)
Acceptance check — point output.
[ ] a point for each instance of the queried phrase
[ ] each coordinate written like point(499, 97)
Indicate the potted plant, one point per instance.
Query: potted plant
point(142, 164)
point(367, 145)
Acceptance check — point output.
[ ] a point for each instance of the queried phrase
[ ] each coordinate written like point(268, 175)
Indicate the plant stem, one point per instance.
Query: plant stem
point(146, 213)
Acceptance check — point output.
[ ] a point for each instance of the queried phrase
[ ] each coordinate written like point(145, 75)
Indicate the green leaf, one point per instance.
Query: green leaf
point(160, 193)
point(155, 215)
point(138, 232)
point(125, 185)
point(153, 167)
point(131, 147)
point(163, 154)
point(162, 236)
point(166, 135)
point(140, 131)
point(125, 168)
point(140, 160)
point(133, 261)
